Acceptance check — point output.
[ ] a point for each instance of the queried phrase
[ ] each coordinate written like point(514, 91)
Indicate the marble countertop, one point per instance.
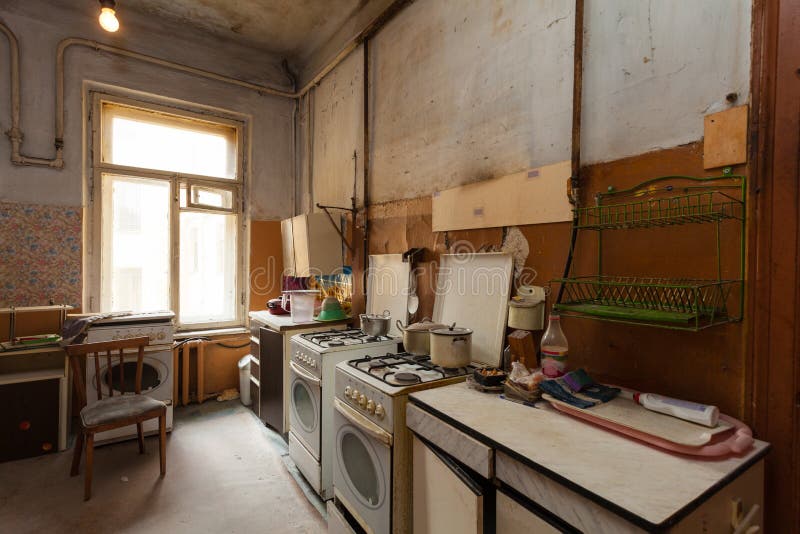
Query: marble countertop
point(281, 323)
point(606, 467)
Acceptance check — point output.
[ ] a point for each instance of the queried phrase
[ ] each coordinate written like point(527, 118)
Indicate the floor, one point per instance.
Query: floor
point(226, 472)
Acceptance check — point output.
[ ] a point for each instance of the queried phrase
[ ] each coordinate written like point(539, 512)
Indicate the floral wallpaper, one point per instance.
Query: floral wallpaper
point(40, 251)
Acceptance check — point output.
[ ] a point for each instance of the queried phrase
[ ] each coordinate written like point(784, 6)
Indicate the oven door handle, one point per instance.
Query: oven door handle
point(304, 374)
point(363, 423)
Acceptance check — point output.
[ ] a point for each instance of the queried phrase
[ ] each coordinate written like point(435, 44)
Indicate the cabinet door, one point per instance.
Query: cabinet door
point(287, 240)
point(445, 498)
point(513, 518)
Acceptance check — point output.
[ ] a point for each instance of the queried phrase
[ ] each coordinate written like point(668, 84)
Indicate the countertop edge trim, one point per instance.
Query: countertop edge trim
point(605, 503)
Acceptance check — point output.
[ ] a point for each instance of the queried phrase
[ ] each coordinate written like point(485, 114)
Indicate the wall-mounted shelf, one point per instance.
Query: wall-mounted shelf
point(683, 304)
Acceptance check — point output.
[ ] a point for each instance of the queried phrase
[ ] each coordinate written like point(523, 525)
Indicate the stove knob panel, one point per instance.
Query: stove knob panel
point(362, 400)
point(371, 406)
point(379, 411)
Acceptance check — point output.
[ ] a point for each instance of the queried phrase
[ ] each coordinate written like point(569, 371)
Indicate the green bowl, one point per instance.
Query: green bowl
point(331, 315)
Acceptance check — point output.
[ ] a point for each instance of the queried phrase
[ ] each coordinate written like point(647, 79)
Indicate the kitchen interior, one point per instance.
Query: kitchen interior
point(395, 266)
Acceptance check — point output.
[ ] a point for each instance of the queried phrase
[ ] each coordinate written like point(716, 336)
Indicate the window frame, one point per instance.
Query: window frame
point(237, 186)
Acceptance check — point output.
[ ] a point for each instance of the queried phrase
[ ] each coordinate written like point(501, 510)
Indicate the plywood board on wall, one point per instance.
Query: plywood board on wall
point(725, 138)
point(533, 196)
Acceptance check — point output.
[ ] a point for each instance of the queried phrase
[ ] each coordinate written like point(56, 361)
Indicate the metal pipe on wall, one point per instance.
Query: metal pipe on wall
point(15, 133)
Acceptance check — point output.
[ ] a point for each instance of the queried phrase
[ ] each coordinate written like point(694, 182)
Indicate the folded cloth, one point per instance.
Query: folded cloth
point(74, 329)
point(579, 381)
point(553, 388)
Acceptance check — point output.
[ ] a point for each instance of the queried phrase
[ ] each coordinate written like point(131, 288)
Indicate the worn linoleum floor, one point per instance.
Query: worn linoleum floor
point(226, 473)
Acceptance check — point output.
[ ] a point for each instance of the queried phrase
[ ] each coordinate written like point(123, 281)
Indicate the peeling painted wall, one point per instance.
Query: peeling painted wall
point(463, 90)
point(40, 25)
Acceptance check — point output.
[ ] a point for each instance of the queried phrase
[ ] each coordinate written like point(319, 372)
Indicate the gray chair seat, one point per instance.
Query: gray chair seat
point(114, 409)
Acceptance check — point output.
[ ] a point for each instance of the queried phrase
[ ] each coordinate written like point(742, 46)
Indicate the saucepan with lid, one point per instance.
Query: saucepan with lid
point(451, 347)
point(417, 336)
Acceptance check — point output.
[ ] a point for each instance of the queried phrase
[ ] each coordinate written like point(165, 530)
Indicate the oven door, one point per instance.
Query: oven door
point(306, 410)
point(362, 469)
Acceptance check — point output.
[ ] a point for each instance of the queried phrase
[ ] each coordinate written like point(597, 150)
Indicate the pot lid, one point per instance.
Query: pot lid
point(424, 326)
point(452, 331)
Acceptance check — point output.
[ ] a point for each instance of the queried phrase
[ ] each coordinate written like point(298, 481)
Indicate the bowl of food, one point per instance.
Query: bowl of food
point(489, 376)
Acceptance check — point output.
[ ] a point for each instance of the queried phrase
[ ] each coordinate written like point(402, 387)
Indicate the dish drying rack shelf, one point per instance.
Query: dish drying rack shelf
point(674, 303)
point(705, 207)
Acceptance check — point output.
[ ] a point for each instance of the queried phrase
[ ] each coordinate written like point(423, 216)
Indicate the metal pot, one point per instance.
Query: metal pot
point(417, 337)
point(451, 347)
point(376, 325)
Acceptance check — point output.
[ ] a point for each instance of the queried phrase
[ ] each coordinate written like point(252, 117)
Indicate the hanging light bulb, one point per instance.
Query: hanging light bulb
point(108, 17)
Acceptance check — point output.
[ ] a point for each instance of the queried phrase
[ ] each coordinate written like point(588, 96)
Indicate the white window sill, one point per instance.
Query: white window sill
point(213, 332)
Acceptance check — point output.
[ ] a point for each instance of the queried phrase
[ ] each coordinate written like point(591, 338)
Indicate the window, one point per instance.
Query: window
point(167, 217)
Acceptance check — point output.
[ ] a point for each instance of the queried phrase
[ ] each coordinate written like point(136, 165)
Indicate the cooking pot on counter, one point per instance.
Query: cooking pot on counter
point(417, 336)
point(374, 324)
point(451, 347)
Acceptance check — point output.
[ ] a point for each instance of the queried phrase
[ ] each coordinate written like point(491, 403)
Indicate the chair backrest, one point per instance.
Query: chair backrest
point(76, 352)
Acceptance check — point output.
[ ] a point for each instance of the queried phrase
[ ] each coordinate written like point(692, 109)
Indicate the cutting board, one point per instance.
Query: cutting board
point(627, 413)
point(388, 288)
point(472, 290)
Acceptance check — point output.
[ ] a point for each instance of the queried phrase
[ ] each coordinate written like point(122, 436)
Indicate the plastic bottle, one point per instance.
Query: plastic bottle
point(688, 411)
point(554, 349)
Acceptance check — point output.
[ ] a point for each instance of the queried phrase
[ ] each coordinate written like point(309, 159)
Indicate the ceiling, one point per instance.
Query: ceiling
point(290, 28)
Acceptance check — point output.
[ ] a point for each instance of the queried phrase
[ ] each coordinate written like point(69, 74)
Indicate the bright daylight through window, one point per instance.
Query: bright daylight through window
point(170, 214)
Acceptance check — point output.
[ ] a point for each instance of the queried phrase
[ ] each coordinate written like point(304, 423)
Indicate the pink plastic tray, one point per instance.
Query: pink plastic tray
point(737, 440)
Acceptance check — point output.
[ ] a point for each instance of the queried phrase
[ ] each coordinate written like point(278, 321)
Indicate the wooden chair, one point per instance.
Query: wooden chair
point(113, 411)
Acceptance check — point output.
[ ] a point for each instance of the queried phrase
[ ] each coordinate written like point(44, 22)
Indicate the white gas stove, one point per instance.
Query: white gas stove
point(313, 358)
point(373, 453)
point(372, 468)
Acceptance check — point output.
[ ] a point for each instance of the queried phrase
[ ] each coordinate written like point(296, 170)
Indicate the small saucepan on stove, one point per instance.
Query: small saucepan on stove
point(417, 336)
point(451, 347)
point(376, 325)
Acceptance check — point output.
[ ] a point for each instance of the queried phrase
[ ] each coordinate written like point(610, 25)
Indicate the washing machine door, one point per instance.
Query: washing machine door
point(121, 376)
point(305, 412)
point(362, 469)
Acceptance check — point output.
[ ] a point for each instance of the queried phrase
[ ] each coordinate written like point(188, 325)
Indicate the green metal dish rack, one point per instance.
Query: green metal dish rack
point(681, 304)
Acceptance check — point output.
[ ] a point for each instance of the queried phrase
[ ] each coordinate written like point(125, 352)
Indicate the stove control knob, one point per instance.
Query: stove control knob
point(347, 391)
point(371, 406)
point(313, 363)
point(354, 394)
point(379, 411)
point(362, 401)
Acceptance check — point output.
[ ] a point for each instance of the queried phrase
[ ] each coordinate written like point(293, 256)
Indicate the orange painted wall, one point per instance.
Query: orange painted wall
point(707, 366)
point(266, 263)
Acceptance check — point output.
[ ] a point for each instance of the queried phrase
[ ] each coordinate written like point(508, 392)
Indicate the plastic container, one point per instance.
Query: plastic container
point(554, 349)
point(525, 315)
point(688, 411)
point(303, 305)
point(244, 380)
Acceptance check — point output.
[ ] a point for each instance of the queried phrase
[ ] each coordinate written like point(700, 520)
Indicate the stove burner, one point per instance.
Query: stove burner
point(335, 343)
point(408, 378)
point(405, 369)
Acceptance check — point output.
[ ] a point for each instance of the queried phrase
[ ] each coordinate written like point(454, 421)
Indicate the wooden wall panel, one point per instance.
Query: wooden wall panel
point(774, 347)
point(266, 262)
point(705, 366)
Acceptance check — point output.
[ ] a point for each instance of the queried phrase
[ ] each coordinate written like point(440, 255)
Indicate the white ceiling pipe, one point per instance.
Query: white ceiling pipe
point(15, 133)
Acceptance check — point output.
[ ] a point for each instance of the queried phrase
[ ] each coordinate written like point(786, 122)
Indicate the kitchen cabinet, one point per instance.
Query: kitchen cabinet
point(270, 337)
point(311, 245)
point(513, 517)
point(446, 497)
point(555, 473)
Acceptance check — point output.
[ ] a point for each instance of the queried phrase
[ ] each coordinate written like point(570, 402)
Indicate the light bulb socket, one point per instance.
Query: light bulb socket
point(111, 4)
